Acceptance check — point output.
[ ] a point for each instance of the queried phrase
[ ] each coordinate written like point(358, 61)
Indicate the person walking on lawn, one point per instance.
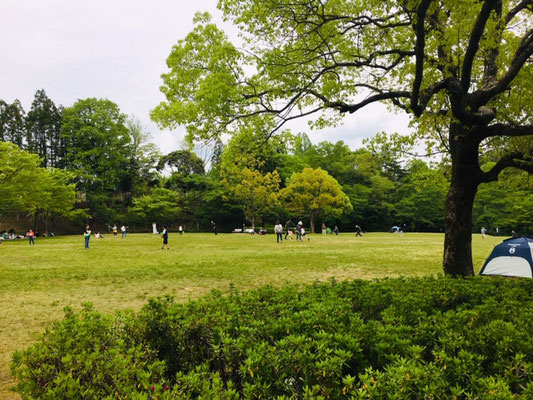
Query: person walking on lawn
point(165, 238)
point(279, 232)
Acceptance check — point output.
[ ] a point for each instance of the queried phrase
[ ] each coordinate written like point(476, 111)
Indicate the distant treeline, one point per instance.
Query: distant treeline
point(112, 174)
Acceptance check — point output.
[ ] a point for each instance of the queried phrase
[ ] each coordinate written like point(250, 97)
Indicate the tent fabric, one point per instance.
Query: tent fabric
point(512, 257)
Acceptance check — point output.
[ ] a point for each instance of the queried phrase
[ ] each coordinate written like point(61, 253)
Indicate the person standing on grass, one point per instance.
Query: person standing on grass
point(279, 232)
point(336, 230)
point(31, 237)
point(287, 228)
point(87, 236)
point(324, 231)
point(180, 230)
point(299, 230)
point(115, 230)
point(165, 238)
point(124, 231)
point(358, 231)
point(483, 232)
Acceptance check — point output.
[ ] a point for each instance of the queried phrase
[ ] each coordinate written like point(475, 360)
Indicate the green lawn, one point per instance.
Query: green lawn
point(37, 282)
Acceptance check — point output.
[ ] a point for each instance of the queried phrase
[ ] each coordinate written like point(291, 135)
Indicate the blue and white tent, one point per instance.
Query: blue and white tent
point(513, 257)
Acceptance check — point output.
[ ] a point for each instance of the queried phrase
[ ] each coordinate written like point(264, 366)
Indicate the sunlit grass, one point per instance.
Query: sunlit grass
point(37, 282)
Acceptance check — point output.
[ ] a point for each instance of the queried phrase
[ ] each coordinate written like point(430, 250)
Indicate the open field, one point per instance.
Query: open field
point(37, 282)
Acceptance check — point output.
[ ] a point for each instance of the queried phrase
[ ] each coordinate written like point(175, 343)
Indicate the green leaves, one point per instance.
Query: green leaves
point(315, 193)
point(396, 338)
point(255, 190)
point(26, 187)
point(203, 82)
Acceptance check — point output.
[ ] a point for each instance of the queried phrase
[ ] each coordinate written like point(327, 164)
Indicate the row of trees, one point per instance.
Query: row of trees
point(101, 158)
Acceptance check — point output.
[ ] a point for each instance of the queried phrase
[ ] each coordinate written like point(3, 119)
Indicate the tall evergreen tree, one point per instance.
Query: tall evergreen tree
point(12, 123)
point(43, 130)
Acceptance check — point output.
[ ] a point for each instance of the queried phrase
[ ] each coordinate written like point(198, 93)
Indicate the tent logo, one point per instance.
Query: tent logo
point(512, 250)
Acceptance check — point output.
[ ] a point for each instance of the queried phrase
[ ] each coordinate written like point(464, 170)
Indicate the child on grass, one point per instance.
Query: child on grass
point(164, 234)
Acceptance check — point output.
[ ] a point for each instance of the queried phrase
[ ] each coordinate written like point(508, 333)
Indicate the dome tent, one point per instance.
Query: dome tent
point(512, 257)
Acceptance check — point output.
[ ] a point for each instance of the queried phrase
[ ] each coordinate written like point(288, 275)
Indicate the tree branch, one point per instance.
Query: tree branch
point(419, 54)
point(343, 107)
point(515, 160)
point(507, 130)
point(473, 43)
point(521, 56)
point(519, 7)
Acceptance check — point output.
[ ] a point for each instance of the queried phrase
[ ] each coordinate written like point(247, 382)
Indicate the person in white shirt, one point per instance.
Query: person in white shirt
point(124, 232)
point(279, 232)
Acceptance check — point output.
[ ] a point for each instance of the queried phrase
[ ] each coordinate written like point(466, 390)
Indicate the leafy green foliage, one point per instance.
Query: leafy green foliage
point(256, 191)
point(160, 205)
point(406, 338)
point(89, 356)
point(98, 151)
point(315, 193)
point(29, 188)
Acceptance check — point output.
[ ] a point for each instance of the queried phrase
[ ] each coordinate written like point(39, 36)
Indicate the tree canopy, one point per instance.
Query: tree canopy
point(314, 193)
point(462, 70)
point(30, 189)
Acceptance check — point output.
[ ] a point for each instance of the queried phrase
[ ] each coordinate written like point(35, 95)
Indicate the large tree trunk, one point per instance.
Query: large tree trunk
point(459, 203)
point(312, 222)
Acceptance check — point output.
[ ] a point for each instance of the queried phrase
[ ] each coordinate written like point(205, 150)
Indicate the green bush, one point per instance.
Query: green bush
point(396, 338)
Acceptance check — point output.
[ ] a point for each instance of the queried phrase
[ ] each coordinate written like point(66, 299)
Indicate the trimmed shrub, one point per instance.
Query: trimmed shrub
point(421, 338)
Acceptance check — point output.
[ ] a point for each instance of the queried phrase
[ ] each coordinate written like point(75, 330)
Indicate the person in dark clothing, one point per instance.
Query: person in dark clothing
point(358, 231)
point(165, 238)
point(336, 230)
point(287, 228)
point(214, 226)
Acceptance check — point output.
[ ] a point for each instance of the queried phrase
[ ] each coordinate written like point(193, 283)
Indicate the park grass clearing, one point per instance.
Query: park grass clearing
point(36, 283)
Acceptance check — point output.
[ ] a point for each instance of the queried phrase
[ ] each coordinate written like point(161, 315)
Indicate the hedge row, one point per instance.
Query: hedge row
point(390, 339)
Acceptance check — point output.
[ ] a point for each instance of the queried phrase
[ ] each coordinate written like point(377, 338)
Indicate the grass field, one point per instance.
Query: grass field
point(37, 282)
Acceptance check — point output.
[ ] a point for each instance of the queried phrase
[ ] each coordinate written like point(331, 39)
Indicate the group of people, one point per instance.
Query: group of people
point(123, 230)
point(299, 229)
point(326, 230)
point(88, 232)
point(497, 232)
point(30, 234)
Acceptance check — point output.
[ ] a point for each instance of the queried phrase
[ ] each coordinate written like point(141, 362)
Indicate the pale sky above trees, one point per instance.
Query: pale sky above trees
point(116, 49)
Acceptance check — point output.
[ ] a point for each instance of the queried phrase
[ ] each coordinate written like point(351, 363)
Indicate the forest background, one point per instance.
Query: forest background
point(93, 164)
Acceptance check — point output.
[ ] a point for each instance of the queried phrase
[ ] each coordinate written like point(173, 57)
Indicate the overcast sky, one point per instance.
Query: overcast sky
point(116, 49)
